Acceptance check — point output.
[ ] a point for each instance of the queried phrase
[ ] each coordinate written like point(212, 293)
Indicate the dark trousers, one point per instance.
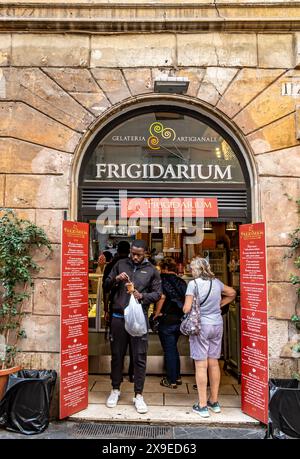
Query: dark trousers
point(169, 335)
point(119, 340)
point(130, 366)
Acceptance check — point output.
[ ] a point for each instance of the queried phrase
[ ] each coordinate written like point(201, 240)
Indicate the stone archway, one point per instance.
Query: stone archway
point(169, 101)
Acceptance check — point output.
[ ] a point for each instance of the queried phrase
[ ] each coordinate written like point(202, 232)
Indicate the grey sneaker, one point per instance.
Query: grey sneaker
point(215, 407)
point(113, 398)
point(203, 412)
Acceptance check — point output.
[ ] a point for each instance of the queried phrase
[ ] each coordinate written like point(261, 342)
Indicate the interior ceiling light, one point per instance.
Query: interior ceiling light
point(171, 84)
point(109, 225)
point(207, 226)
point(231, 226)
point(218, 153)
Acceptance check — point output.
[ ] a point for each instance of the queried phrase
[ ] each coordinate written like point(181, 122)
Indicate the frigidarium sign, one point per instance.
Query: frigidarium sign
point(155, 171)
point(163, 147)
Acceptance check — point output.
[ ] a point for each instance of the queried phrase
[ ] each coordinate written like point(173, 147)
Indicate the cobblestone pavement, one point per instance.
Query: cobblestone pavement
point(88, 430)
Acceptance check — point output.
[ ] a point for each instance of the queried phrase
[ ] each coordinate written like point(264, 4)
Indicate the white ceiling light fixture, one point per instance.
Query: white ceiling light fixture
point(231, 226)
point(109, 225)
point(207, 226)
point(171, 84)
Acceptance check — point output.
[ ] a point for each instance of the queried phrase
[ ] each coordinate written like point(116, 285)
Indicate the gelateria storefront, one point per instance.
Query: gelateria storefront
point(157, 155)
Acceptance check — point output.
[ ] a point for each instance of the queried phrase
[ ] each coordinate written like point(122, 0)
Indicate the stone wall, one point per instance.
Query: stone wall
point(53, 88)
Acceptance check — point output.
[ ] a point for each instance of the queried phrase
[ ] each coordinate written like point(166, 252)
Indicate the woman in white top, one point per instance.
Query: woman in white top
point(205, 348)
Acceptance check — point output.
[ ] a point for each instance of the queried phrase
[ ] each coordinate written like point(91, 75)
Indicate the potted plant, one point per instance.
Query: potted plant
point(19, 240)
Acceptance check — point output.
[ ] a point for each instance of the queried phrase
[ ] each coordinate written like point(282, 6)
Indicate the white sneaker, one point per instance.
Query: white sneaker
point(140, 405)
point(113, 398)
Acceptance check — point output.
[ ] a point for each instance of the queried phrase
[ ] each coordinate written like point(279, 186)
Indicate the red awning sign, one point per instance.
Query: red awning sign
point(169, 207)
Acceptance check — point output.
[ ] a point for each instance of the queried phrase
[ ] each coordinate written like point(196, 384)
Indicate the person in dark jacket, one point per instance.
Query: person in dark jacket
point(123, 251)
point(146, 281)
point(169, 312)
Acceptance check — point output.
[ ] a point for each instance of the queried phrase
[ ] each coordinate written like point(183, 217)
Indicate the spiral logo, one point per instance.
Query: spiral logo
point(157, 129)
point(153, 142)
point(168, 133)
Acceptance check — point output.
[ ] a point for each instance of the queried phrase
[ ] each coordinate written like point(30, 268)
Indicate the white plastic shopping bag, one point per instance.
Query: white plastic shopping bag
point(135, 321)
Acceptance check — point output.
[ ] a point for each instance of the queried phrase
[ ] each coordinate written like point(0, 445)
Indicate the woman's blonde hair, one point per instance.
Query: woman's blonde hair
point(201, 268)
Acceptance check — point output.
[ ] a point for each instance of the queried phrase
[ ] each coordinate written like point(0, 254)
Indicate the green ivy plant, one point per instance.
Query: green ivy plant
point(295, 278)
point(296, 321)
point(19, 240)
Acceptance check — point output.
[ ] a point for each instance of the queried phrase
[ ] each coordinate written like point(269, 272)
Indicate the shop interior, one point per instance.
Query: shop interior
point(156, 153)
point(220, 245)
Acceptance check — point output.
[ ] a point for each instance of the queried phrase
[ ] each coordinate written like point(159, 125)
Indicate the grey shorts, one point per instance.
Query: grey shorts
point(208, 343)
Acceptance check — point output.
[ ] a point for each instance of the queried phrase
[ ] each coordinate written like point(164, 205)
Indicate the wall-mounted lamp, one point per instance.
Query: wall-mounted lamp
point(171, 84)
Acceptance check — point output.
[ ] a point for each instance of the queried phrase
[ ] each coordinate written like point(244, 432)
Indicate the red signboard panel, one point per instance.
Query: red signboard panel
point(254, 321)
point(169, 207)
point(74, 318)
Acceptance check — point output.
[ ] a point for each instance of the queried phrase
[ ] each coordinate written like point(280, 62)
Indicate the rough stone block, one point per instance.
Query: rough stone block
point(297, 50)
point(5, 49)
point(195, 76)
point(284, 163)
point(43, 333)
point(216, 49)
point(297, 122)
point(214, 83)
point(282, 300)
point(290, 349)
point(276, 136)
point(2, 182)
point(80, 84)
point(20, 121)
point(112, 83)
point(97, 103)
point(22, 157)
point(280, 265)
point(46, 297)
point(278, 208)
point(2, 85)
point(37, 191)
point(282, 368)
point(141, 50)
point(28, 305)
point(26, 214)
point(73, 80)
point(39, 360)
point(245, 87)
point(267, 107)
point(50, 263)
point(39, 91)
point(277, 336)
point(275, 50)
point(50, 221)
point(67, 50)
point(139, 81)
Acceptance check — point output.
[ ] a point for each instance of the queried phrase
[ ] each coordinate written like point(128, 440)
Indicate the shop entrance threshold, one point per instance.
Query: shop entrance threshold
point(166, 406)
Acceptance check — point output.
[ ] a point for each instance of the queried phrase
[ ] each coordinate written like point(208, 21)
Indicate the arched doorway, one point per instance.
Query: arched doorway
point(162, 149)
